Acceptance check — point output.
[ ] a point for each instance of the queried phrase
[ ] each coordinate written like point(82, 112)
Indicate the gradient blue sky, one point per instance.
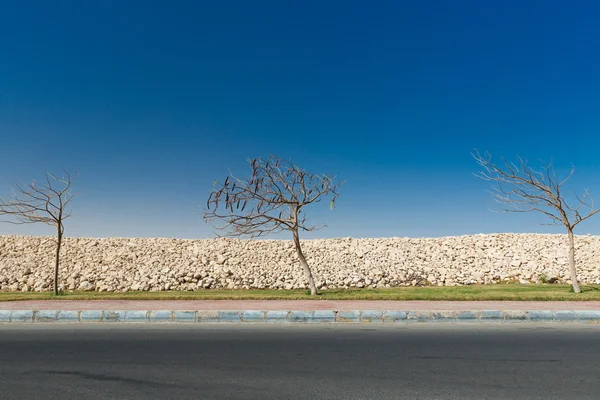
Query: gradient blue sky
point(152, 101)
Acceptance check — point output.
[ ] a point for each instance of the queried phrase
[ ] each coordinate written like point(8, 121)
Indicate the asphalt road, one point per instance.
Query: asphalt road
point(300, 362)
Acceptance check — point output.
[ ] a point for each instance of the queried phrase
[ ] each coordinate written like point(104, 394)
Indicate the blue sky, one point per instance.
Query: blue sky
point(152, 101)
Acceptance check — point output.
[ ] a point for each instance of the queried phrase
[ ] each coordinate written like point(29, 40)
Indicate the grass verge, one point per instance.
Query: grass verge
point(498, 292)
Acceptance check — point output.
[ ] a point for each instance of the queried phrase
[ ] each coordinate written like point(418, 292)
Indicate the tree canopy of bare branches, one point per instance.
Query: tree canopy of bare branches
point(45, 202)
point(522, 188)
point(271, 200)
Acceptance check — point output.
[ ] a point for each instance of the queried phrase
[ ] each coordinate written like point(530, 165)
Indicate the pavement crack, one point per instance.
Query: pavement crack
point(484, 359)
point(107, 378)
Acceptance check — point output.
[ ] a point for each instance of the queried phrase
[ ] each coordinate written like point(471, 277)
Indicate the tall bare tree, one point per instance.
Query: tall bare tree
point(42, 203)
point(271, 200)
point(524, 189)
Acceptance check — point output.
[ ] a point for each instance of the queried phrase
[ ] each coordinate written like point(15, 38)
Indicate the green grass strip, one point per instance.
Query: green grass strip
point(533, 292)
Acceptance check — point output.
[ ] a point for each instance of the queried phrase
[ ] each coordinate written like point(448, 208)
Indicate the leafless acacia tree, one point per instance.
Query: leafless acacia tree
point(46, 203)
point(271, 200)
point(524, 189)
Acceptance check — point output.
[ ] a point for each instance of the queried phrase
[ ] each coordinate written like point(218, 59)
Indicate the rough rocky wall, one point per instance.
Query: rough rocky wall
point(171, 264)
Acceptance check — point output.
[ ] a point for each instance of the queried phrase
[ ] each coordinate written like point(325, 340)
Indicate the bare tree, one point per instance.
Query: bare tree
point(46, 203)
point(524, 189)
point(271, 200)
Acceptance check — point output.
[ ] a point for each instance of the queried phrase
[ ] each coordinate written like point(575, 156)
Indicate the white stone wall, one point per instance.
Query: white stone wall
point(26, 263)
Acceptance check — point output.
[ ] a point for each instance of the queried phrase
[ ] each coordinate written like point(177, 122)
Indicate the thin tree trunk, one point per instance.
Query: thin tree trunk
point(307, 272)
point(57, 261)
point(572, 268)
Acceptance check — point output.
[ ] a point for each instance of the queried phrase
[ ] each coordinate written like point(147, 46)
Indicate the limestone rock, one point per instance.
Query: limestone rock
point(113, 264)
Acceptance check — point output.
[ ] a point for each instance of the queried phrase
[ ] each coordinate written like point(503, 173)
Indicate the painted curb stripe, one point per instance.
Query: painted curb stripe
point(298, 316)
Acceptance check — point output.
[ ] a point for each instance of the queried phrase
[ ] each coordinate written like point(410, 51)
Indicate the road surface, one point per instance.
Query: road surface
point(299, 362)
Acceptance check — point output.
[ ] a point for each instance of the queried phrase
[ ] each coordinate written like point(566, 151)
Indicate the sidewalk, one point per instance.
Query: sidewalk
point(305, 305)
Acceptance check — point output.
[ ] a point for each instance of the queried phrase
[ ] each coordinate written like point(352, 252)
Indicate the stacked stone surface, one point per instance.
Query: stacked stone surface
point(113, 264)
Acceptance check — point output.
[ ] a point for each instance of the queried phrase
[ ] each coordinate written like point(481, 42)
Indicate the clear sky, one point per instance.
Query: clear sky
point(151, 101)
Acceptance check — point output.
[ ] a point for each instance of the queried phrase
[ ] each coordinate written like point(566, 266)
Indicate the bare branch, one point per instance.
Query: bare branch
point(522, 189)
point(269, 200)
point(45, 203)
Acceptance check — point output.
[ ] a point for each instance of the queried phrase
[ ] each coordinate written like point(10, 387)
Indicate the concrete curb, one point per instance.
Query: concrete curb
point(297, 316)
